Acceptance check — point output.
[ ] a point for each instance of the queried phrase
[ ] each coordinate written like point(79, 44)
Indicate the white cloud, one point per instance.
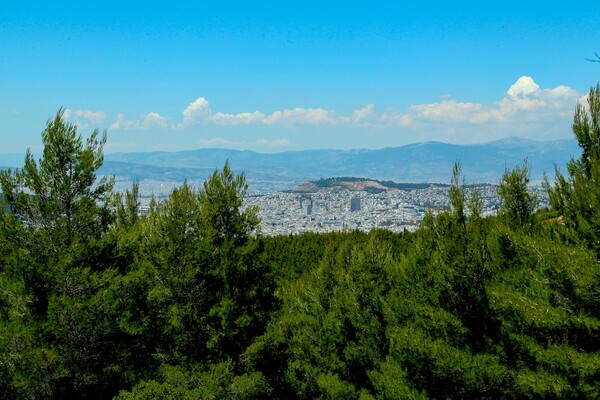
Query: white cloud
point(392, 117)
point(525, 108)
point(83, 118)
point(153, 119)
point(199, 112)
point(365, 113)
point(145, 121)
point(447, 110)
point(237, 119)
point(524, 101)
point(524, 86)
point(301, 116)
point(583, 100)
point(196, 112)
point(121, 122)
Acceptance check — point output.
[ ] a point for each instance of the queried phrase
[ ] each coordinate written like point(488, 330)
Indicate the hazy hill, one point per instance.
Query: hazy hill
point(420, 162)
point(429, 162)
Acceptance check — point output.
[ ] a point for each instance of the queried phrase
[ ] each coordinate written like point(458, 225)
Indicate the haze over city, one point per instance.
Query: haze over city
point(277, 76)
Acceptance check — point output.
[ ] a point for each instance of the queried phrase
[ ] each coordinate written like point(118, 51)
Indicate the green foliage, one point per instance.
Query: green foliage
point(445, 370)
point(518, 204)
point(457, 194)
point(128, 207)
point(222, 215)
point(333, 182)
point(60, 194)
point(186, 302)
point(329, 331)
point(216, 382)
point(391, 382)
point(576, 197)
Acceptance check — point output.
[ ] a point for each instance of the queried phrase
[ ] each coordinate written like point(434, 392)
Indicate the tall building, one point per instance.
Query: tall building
point(309, 207)
point(354, 204)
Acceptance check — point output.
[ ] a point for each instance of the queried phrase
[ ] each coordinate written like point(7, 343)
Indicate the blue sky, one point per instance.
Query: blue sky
point(277, 76)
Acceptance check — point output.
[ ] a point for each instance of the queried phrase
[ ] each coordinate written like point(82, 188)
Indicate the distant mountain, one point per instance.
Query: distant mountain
point(420, 162)
point(173, 174)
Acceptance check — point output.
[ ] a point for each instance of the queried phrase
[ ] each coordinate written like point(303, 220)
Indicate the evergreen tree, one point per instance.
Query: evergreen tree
point(57, 210)
point(576, 197)
point(223, 216)
point(457, 194)
point(60, 194)
point(518, 204)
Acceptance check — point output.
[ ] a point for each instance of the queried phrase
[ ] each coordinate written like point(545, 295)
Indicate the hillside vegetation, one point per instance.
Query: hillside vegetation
point(188, 302)
point(357, 184)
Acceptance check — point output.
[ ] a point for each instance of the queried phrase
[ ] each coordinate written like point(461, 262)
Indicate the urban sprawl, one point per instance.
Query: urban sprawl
point(284, 213)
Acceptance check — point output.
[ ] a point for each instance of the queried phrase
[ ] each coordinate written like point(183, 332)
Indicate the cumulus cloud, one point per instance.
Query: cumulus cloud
point(447, 110)
point(84, 117)
point(198, 111)
point(525, 108)
point(392, 117)
point(145, 121)
point(365, 113)
point(245, 118)
point(524, 101)
point(301, 116)
point(524, 86)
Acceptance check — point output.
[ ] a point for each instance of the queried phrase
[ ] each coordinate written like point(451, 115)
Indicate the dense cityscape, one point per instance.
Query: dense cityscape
point(289, 212)
point(396, 210)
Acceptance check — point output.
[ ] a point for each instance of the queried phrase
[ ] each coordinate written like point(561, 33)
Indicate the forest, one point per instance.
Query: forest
point(190, 301)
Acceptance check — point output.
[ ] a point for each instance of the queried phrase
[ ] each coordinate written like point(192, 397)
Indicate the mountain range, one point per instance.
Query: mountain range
point(420, 162)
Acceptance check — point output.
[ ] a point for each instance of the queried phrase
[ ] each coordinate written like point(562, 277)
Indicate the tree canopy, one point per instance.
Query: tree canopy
point(188, 301)
point(576, 197)
point(60, 194)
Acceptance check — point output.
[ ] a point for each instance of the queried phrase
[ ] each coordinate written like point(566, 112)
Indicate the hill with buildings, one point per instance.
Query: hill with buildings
point(373, 186)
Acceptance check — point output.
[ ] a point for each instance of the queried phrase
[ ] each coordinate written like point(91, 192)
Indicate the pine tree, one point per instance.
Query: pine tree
point(60, 194)
point(518, 204)
point(576, 197)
